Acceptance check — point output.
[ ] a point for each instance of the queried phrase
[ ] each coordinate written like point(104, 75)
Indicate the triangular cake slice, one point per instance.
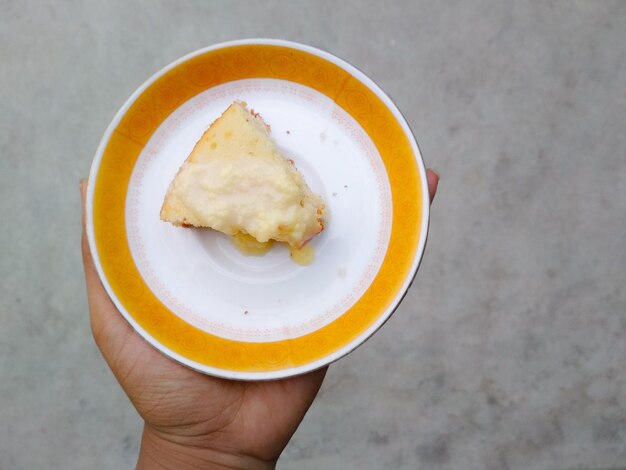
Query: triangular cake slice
point(236, 180)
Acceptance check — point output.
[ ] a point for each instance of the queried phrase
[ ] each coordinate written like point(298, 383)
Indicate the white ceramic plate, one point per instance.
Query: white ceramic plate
point(188, 291)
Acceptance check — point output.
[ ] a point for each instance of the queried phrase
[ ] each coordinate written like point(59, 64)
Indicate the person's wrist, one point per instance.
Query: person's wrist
point(159, 453)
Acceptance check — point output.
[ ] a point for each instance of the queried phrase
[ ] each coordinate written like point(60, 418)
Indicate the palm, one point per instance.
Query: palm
point(255, 418)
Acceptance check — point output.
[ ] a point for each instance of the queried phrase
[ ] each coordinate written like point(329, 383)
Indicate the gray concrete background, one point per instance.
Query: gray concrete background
point(509, 351)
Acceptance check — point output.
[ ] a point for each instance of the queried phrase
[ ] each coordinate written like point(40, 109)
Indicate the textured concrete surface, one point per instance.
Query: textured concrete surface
point(509, 351)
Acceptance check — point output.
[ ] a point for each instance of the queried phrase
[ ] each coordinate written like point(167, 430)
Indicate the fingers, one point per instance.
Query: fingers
point(107, 325)
point(433, 182)
point(91, 276)
point(87, 260)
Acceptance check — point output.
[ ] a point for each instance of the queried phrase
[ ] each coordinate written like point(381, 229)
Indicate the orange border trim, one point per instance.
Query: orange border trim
point(146, 114)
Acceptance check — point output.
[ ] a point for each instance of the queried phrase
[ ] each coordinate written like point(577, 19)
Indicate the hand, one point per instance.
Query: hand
point(193, 420)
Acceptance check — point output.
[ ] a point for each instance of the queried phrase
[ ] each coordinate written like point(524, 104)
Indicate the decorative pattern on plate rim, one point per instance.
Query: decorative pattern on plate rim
point(150, 152)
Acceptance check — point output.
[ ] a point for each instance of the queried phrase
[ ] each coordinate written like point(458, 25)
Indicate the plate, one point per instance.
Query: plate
point(190, 292)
